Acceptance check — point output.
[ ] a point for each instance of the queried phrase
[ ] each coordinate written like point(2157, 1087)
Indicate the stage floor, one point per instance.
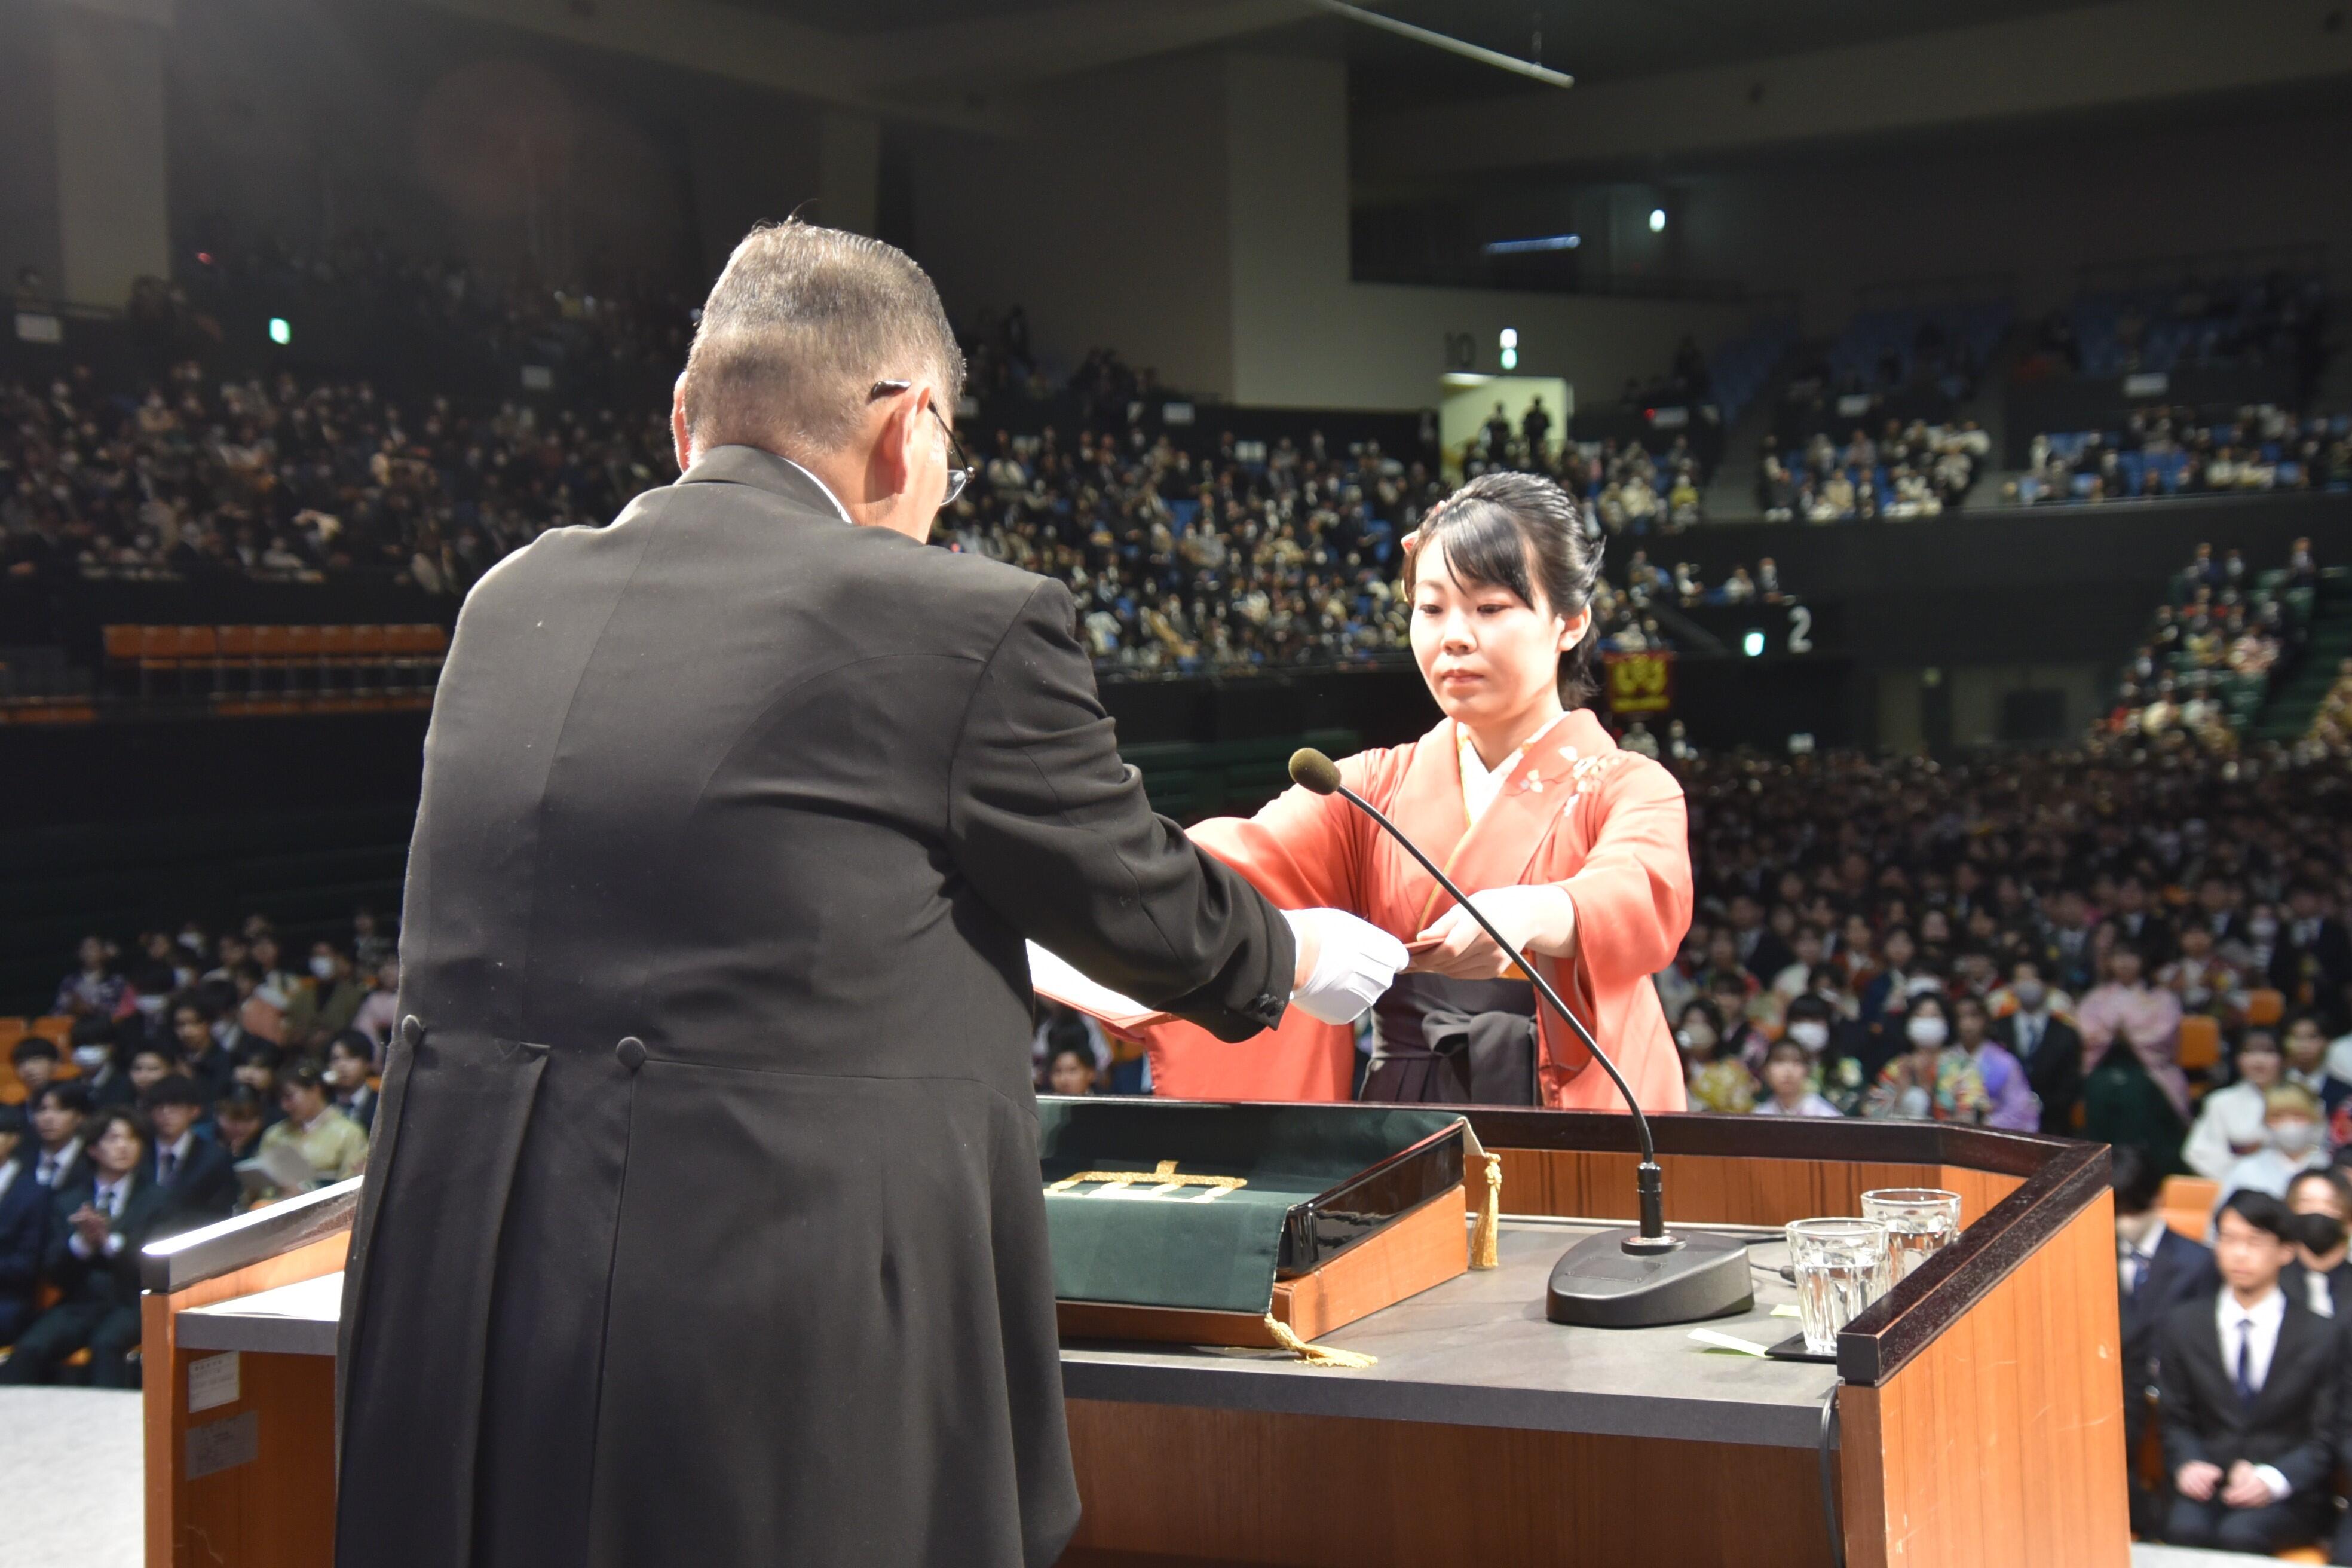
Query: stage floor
point(70, 1477)
point(70, 1484)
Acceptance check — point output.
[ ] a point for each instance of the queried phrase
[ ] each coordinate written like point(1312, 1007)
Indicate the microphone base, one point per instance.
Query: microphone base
point(1597, 1284)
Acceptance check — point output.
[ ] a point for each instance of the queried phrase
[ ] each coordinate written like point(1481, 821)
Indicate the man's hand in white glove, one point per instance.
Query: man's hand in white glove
point(1344, 964)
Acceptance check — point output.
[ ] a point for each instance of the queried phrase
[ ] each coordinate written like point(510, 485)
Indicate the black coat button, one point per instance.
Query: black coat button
point(412, 1031)
point(631, 1052)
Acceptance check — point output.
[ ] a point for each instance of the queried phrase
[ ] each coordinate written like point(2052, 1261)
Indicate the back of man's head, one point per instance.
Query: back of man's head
point(800, 326)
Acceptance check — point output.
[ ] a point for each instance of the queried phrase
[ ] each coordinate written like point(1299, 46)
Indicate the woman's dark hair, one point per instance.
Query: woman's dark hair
point(1491, 526)
point(1707, 1010)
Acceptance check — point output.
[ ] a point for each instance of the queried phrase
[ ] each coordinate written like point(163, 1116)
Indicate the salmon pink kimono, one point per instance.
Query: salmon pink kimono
point(1603, 823)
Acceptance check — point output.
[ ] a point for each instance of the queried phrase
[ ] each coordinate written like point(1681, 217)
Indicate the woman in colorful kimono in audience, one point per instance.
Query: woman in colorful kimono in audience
point(1576, 850)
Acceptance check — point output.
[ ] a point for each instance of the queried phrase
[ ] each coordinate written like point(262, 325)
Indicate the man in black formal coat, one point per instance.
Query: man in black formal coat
point(2050, 1047)
point(2158, 1269)
point(24, 1227)
point(2248, 1391)
point(96, 1229)
point(704, 1224)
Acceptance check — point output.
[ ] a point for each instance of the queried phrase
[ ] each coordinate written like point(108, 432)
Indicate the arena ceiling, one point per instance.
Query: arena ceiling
point(1595, 40)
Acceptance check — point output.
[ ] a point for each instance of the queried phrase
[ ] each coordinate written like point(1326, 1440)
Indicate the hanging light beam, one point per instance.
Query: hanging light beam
point(1499, 60)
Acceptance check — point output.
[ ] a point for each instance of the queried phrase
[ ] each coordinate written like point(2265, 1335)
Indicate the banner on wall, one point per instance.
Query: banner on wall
point(1641, 682)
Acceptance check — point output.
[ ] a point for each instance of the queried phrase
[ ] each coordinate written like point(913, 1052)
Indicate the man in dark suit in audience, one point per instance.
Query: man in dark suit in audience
point(24, 1227)
point(195, 1169)
point(97, 1228)
point(2157, 1268)
point(2047, 1043)
point(55, 1155)
point(2249, 1388)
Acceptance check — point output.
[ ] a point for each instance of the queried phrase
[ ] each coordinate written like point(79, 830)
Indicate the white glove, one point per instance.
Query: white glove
point(1354, 963)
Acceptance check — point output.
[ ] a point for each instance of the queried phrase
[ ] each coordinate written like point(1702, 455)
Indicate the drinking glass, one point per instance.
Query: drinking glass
point(1841, 1268)
point(1920, 1222)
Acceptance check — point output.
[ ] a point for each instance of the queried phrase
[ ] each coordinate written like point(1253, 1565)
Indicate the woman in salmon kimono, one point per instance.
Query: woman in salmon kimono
point(1576, 850)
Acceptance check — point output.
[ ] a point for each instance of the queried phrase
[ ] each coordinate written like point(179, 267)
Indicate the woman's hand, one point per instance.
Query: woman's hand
point(1539, 920)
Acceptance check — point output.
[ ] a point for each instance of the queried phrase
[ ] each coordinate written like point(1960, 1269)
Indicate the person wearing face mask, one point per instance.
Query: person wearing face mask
point(1714, 1079)
point(96, 1060)
point(325, 1008)
point(2295, 1140)
point(1926, 1082)
point(1832, 1046)
point(2321, 1275)
point(2231, 1121)
point(2033, 1028)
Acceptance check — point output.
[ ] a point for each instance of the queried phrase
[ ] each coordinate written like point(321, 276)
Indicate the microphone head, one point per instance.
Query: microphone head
point(1312, 769)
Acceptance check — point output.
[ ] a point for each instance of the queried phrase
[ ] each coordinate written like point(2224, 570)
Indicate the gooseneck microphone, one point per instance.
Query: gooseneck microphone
point(1684, 1278)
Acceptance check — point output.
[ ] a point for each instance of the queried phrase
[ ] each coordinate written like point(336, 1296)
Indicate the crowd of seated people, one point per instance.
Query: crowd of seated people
point(2331, 726)
point(297, 481)
point(198, 1076)
point(2017, 943)
point(2222, 320)
point(1910, 472)
point(2211, 651)
point(2176, 451)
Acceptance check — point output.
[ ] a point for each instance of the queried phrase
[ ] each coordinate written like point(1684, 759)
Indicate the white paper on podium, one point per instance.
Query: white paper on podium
point(1053, 977)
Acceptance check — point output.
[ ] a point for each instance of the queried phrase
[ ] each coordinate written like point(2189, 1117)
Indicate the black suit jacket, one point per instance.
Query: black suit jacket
point(24, 1234)
point(2291, 1424)
point(1769, 956)
point(204, 1188)
point(734, 818)
point(2054, 1067)
point(2182, 1270)
point(105, 1281)
point(2295, 1280)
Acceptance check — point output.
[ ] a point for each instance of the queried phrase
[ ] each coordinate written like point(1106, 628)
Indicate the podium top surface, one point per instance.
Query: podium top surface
point(1475, 1352)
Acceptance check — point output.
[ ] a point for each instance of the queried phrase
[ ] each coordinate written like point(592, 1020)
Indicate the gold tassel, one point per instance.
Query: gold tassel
point(1315, 1356)
point(1486, 1236)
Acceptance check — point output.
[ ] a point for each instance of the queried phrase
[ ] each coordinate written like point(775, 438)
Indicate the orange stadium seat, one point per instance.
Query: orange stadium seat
point(56, 1028)
point(271, 649)
point(306, 648)
point(334, 657)
point(370, 655)
point(123, 645)
point(233, 658)
point(159, 654)
point(2188, 1204)
point(2201, 1043)
point(2265, 1007)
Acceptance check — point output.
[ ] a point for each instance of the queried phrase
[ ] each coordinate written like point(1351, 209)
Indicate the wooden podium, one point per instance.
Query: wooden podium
point(1974, 1416)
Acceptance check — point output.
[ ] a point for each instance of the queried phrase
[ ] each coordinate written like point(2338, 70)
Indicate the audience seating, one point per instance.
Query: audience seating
point(246, 669)
point(2188, 1204)
point(2266, 1007)
point(2201, 1043)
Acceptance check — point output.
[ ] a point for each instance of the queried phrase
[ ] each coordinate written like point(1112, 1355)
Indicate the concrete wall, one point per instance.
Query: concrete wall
point(1107, 223)
point(29, 151)
point(308, 118)
point(1193, 212)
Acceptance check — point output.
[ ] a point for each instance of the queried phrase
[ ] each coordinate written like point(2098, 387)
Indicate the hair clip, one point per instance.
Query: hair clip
point(1410, 542)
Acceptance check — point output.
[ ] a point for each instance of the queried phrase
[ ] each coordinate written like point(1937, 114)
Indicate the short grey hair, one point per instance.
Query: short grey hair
point(802, 323)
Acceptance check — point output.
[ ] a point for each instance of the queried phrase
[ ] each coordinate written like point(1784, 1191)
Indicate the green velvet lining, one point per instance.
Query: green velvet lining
point(1217, 1254)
